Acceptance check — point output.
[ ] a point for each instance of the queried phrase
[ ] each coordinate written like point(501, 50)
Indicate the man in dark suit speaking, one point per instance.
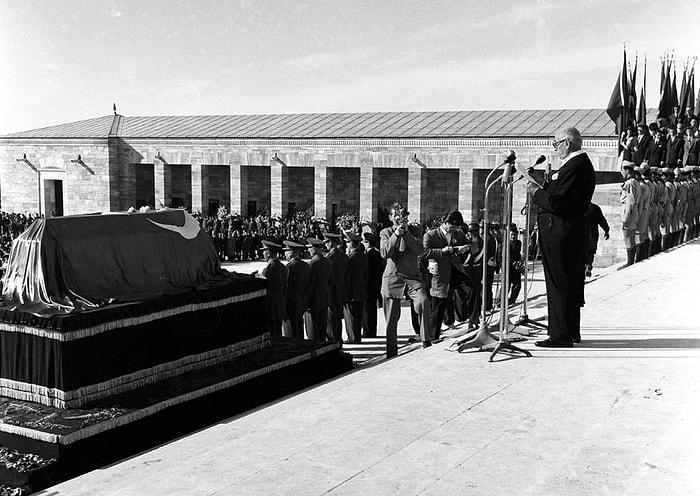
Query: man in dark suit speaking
point(563, 204)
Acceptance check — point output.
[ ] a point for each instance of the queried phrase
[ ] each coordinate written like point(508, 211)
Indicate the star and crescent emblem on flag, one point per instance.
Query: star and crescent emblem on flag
point(188, 230)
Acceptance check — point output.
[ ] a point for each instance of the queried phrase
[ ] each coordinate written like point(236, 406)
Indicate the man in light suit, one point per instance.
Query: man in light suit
point(401, 249)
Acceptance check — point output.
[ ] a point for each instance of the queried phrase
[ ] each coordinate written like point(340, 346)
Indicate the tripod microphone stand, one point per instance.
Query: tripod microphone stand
point(482, 338)
point(524, 320)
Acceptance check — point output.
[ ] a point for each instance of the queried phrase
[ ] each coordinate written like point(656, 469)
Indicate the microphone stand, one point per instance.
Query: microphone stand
point(524, 320)
point(482, 338)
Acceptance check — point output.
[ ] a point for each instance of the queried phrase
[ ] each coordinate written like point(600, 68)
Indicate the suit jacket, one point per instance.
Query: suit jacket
point(433, 243)
point(561, 219)
point(337, 282)
point(275, 301)
point(401, 266)
point(639, 154)
point(656, 153)
point(321, 271)
point(298, 286)
point(594, 219)
point(674, 152)
point(356, 276)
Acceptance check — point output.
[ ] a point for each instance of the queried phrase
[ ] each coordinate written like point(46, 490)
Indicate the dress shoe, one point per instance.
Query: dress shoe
point(548, 343)
point(427, 344)
point(414, 339)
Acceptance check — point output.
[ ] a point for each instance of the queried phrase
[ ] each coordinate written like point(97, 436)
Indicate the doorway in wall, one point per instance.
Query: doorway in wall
point(53, 197)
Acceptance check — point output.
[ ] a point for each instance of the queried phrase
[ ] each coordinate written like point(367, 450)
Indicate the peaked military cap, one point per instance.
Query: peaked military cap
point(291, 245)
point(352, 236)
point(314, 242)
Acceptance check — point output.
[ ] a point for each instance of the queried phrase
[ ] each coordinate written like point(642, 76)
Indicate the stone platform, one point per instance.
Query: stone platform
point(616, 415)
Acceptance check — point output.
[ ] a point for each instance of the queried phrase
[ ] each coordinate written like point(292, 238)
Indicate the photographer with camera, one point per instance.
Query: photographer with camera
point(402, 250)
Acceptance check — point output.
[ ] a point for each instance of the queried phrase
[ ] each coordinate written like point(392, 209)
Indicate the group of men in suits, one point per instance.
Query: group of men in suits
point(660, 208)
point(310, 298)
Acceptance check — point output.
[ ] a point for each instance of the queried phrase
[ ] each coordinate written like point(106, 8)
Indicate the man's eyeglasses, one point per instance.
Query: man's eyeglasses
point(556, 143)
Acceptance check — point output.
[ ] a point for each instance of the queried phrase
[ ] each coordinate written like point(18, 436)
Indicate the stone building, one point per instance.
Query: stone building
point(333, 163)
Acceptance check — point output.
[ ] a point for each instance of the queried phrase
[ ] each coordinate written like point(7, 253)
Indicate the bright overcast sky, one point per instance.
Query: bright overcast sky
point(67, 60)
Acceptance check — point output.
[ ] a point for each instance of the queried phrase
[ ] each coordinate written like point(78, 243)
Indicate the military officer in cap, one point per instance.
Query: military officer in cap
point(275, 300)
point(298, 286)
point(337, 286)
point(375, 269)
point(629, 199)
point(316, 318)
point(355, 287)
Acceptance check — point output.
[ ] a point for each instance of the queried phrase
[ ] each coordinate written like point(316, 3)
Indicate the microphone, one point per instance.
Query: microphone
point(510, 159)
point(539, 160)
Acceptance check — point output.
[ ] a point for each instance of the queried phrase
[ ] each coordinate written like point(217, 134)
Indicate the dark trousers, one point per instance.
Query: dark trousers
point(353, 320)
point(293, 327)
point(334, 330)
point(515, 282)
point(369, 317)
point(316, 320)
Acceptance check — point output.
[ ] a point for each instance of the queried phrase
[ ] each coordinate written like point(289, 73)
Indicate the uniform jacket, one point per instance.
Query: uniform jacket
point(321, 271)
point(337, 283)
point(298, 286)
point(644, 202)
point(375, 269)
point(629, 199)
point(275, 301)
point(433, 243)
point(356, 276)
point(401, 266)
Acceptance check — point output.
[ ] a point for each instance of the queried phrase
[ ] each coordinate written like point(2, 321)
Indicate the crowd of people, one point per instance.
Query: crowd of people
point(349, 274)
point(12, 225)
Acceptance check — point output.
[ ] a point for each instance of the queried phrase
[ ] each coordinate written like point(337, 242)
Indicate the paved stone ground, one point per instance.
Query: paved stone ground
point(616, 415)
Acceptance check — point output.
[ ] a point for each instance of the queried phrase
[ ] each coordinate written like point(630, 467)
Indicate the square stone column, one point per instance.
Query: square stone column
point(321, 190)
point(368, 184)
point(279, 188)
point(236, 185)
point(200, 188)
point(417, 179)
point(162, 183)
point(467, 204)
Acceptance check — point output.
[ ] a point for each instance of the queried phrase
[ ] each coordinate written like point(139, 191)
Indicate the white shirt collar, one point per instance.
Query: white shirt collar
point(570, 156)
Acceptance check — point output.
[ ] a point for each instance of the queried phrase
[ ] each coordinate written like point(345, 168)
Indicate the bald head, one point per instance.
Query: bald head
point(567, 141)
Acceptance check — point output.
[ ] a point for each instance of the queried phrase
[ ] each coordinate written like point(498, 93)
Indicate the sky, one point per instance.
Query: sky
point(69, 60)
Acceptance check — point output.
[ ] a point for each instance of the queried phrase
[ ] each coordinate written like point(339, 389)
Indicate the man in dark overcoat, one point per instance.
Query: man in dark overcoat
point(375, 269)
point(563, 204)
point(316, 318)
point(298, 286)
point(336, 286)
point(355, 287)
point(275, 300)
point(445, 248)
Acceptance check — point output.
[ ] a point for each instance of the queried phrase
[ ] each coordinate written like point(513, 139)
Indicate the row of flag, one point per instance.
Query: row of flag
point(626, 110)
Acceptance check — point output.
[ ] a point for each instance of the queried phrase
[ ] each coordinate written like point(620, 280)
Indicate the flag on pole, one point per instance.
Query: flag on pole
point(684, 91)
point(632, 103)
point(665, 110)
point(674, 92)
point(642, 111)
point(619, 99)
